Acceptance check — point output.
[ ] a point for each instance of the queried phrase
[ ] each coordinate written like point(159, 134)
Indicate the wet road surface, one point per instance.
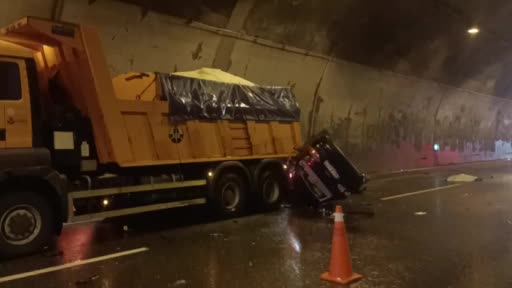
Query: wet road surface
point(460, 239)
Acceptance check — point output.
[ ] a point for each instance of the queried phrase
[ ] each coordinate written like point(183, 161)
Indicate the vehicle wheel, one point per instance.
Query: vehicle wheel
point(26, 223)
point(271, 189)
point(230, 195)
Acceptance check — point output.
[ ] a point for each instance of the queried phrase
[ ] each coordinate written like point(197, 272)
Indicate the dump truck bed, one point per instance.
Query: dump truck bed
point(153, 141)
point(198, 127)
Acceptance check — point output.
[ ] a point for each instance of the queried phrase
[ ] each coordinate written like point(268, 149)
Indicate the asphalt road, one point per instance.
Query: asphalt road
point(408, 230)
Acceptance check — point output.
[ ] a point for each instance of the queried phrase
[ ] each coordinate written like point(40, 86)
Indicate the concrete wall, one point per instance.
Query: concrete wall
point(381, 119)
point(155, 43)
point(13, 10)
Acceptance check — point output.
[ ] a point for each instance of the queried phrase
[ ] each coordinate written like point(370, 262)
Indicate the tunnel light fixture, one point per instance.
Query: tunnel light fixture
point(210, 174)
point(473, 30)
point(105, 202)
point(436, 147)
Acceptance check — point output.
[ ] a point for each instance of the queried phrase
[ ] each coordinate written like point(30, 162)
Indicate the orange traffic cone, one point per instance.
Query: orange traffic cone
point(340, 270)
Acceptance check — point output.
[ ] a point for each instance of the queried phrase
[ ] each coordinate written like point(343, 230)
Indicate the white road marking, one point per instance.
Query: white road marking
point(419, 192)
point(83, 222)
point(72, 264)
point(398, 177)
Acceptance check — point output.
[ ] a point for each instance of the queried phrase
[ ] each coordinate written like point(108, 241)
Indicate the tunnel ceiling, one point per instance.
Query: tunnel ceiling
point(427, 39)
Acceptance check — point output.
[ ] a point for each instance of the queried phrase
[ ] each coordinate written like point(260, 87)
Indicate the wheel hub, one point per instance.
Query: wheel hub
point(20, 225)
point(230, 195)
point(270, 191)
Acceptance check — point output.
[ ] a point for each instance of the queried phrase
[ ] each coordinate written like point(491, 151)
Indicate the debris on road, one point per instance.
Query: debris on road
point(87, 280)
point(179, 283)
point(463, 178)
point(52, 252)
point(286, 205)
point(420, 213)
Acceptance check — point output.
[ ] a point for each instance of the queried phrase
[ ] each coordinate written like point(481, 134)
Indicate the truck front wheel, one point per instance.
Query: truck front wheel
point(26, 223)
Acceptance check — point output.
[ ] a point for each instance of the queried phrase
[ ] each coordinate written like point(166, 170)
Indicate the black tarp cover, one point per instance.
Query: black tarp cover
point(204, 99)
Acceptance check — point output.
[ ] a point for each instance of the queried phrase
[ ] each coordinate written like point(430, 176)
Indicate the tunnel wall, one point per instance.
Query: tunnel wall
point(13, 10)
point(382, 120)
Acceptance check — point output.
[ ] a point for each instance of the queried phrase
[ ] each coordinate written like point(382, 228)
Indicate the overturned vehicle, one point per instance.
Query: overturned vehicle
point(320, 172)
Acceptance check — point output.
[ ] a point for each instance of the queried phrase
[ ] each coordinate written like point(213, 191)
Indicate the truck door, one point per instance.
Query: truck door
point(15, 118)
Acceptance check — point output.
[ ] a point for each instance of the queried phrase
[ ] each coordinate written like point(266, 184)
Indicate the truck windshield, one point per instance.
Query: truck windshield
point(10, 85)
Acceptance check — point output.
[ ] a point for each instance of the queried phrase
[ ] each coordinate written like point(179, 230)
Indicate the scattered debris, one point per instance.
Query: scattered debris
point(420, 213)
point(509, 222)
point(179, 282)
point(250, 264)
point(366, 210)
point(52, 253)
point(87, 280)
point(215, 235)
point(463, 178)
point(253, 243)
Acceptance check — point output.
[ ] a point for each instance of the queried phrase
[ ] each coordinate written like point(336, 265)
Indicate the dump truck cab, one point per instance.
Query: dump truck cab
point(27, 178)
point(15, 105)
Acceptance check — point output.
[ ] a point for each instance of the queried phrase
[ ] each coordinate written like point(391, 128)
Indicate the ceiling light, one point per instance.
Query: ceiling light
point(473, 31)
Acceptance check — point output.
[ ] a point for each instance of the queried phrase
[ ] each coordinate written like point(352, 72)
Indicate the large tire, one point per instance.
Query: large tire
point(230, 195)
point(271, 188)
point(26, 223)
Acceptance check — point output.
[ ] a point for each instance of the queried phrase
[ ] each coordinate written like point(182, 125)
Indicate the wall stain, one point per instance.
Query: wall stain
point(196, 54)
point(131, 60)
point(245, 69)
point(144, 11)
point(230, 63)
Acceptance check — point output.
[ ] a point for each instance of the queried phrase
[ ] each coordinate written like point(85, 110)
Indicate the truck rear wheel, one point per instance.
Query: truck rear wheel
point(230, 195)
point(271, 189)
point(26, 223)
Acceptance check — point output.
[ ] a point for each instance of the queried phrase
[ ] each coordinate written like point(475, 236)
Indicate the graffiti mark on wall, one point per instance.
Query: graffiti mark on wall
point(461, 129)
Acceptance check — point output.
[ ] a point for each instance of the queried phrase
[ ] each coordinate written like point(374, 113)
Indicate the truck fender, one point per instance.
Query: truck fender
point(31, 168)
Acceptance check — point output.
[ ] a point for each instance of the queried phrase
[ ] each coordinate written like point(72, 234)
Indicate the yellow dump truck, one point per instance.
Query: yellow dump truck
point(77, 145)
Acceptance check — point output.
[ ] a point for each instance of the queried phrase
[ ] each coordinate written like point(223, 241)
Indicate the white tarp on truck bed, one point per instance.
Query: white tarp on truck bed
point(216, 75)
